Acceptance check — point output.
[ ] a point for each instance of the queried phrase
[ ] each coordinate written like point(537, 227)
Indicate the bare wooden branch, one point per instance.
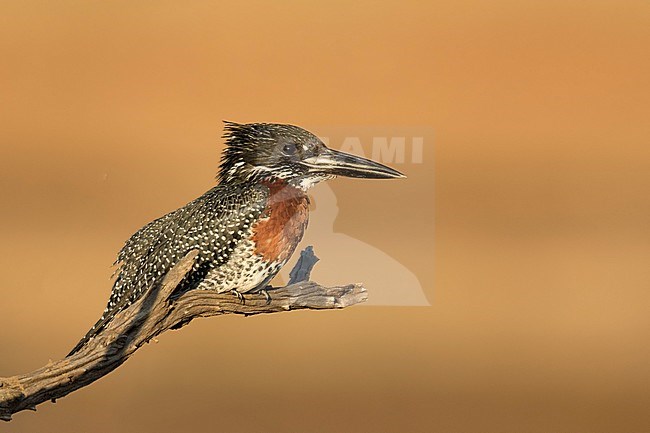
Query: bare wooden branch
point(154, 314)
point(305, 264)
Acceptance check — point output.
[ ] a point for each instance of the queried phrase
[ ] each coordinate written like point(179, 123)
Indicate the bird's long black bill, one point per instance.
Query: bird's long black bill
point(344, 164)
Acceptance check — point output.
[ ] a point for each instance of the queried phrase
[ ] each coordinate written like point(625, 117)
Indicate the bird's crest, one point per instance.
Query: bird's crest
point(241, 142)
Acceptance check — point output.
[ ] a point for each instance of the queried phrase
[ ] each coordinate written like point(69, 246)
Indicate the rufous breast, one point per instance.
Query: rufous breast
point(283, 223)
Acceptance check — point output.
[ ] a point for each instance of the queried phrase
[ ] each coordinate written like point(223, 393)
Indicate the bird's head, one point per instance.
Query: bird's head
point(268, 151)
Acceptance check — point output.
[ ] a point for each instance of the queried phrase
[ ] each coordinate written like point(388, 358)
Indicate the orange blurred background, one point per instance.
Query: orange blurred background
point(110, 117)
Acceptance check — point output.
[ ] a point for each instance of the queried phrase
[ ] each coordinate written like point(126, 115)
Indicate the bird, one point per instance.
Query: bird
point(246, 227)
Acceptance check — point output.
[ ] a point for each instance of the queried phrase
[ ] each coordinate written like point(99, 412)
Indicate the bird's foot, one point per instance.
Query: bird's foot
point(265, 292)
point(239, 295)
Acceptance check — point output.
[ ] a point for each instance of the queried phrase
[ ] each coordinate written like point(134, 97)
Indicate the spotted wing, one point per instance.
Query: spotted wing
point(214, 224)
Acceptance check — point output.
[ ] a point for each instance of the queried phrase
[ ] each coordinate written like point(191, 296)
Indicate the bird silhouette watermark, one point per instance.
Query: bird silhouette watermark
point(345, 258)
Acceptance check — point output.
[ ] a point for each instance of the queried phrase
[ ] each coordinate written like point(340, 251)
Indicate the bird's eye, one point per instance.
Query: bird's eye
point(289, 149)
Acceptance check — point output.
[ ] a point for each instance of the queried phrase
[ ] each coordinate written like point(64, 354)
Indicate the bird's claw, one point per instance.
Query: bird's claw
point(239, 295)
point(266, 295)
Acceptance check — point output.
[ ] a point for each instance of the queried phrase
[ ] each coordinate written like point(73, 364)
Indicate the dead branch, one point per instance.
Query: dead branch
point(155, 313)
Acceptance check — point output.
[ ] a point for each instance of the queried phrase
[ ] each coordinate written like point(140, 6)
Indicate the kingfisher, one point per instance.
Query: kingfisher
point(246, 227)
